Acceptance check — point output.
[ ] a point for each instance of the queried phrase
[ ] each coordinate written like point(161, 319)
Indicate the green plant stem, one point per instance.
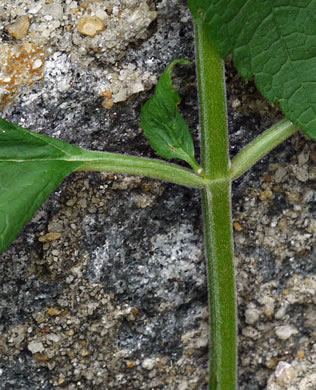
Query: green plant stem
point(216, 201)
point(261, 146)
point(213, 111)
point(121, 163)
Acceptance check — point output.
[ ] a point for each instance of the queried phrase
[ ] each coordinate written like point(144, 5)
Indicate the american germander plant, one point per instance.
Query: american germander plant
point(273, 42)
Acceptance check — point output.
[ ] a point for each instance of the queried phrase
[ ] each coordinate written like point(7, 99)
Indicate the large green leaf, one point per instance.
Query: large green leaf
point(273, 41)
point(166, 129)
point(31, 167)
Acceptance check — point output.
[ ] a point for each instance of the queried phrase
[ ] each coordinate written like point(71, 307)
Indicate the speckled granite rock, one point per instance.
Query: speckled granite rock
point(105, 288)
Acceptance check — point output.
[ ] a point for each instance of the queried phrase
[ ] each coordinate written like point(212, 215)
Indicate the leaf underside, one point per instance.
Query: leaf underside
point(31, 168)
point(273, 41)
point(166, 129)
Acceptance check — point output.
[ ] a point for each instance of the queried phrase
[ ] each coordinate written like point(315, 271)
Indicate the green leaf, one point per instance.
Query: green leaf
point(166, 129)
point(198, 8)
point(31, 168)
point(273, 41)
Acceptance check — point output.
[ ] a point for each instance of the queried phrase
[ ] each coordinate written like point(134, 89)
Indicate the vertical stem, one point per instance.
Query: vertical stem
point(213, 112)
point(216, 198)
point(221, 285)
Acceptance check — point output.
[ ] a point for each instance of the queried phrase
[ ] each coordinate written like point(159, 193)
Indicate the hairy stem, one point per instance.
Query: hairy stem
point(216, 198)
point(121, 163)
point(213, 112)
point(221, 284)
point(261, 146)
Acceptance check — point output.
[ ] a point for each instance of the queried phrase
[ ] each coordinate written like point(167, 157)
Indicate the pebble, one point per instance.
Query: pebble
point(284, 332)
point(237, 226)
point(35, 347)
point(281, 312)
point(282, 224)
point(252, 315)
point(303, 157)
point(37, 64)
point(19, 28)
point(35, 9)
point(236, 103)
point(149, 363)
point(120, 96)
point(49, 237)
point(280, 174)
point(268, 307)
point(293, 196)
point(300, 354)
point(90, 26)
point(184, 385)
point(266, 194)
point(107, 103)
point(84, 352)
point(75, 293)
point(54, 10)
point(55, 227)
point(41, 357)
point(107, 94)
point(130, 364)
point(302, 173)
point(250, 332)
point(53, 337)
point(52, 311)
point(285, 374)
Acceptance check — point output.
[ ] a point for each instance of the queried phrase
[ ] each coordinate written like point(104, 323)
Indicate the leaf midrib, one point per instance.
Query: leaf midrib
point(65, 159)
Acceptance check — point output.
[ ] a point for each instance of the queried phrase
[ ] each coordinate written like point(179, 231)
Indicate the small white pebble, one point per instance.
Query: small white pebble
point(37, 64)
point(183, 386)
point(280, 313)
point(35, 346)
point(252, 315)
point(149, 363)
point(35, 9)
point(53, 337)
point(236, 103)
point(285, 331)
point(53, 10)
point(250, 332)
point(115, 10)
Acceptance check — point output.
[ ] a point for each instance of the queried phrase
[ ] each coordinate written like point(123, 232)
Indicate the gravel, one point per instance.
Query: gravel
point(106, 287)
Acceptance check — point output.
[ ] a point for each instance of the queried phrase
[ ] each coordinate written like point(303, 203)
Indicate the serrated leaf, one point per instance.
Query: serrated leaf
point(166, 129)
point(273, 41)
point(31, 168)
